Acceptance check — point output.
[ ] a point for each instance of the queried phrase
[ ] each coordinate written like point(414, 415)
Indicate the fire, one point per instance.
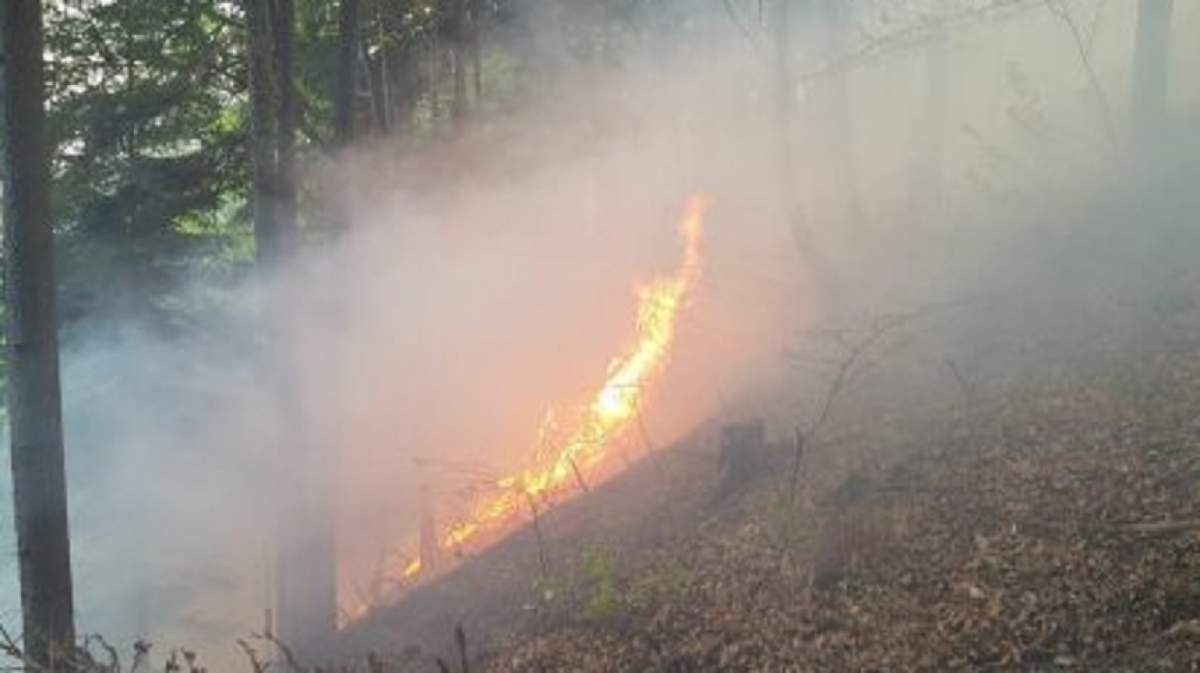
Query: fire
point(611, 411)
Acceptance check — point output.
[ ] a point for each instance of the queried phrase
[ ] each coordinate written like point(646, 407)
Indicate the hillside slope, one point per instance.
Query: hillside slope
point(1041, 515)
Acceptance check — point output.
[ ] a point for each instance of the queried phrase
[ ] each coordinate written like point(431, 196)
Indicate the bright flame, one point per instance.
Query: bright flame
point(614, 406)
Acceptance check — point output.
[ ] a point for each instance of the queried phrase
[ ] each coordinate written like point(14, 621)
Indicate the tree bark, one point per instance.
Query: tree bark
point(34, 396)
point(377, 77)
point(477, 47)
point(262, 129)
point(1151, 59)
point(305, 578)
point(283, 36)
point(458, 52)
point(347, 49)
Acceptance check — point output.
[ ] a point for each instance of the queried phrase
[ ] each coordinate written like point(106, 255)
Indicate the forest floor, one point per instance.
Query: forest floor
point(1044, 520)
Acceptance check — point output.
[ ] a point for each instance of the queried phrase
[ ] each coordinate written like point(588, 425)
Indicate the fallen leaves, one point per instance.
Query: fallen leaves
point(1054, 536)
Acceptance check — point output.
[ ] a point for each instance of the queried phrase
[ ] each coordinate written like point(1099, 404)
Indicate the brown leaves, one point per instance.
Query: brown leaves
point(1013, 549)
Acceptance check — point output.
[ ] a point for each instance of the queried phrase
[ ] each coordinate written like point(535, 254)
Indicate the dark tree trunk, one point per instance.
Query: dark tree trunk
point(434, 78)
point(307, 571)
point(306, 555)
point(1150, 68)
point(377, 76)
point(347, 51)
point(262, 129)
point(34, 397)
point(458, 52)
point(283, 35)
point(477, 47)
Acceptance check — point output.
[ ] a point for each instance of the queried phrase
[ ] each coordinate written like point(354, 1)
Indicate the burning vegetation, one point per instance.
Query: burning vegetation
point(590, 433)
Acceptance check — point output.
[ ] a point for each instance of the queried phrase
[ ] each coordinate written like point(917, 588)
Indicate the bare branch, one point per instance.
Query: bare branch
point(1063, 12)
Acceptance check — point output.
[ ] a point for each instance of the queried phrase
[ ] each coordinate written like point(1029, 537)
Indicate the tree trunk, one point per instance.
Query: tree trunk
point(377, 77)
point(34, 397)
point(287, 232)
point(1151, 57)
point(477, 47)
point(927, 175)
point(306, 588)
point(262, 129)
point(347, 49)
point(434, 78)
point(458, 52)
point(785, 113)
point(838, 114)
point(785, 85)
point(305, 578)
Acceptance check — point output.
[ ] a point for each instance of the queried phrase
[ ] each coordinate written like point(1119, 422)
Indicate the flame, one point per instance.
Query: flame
point(612, 409)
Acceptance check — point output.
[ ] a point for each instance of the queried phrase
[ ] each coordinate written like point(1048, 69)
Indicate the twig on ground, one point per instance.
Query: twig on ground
point(1163, 527)
point(537, 531)
point(964, 385)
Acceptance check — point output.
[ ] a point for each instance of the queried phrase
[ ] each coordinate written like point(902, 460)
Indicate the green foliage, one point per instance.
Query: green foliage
point(600, 589)
point(146, 110)
point(598, 572)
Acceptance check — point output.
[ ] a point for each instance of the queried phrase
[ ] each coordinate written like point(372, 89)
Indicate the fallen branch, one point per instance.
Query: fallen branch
point(964, 385)
point(1162, 527)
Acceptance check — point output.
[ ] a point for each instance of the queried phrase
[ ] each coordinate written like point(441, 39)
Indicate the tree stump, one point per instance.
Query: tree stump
point(742, 447)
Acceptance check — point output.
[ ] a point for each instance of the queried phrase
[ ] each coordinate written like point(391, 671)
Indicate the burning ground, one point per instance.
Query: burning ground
point(1027, 504)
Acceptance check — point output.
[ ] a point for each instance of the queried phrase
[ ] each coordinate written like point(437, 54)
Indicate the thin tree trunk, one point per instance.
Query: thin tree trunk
point(34, 396)
point(458, 52)
point(283, 20)
point(785, 112)
point(839, 113)
point(347, 49)
point(375, 76)
point(477, 48)
point(927, 187)
point(1151, 59)
point(307, 575)
point(262, 129)
point(435, 75)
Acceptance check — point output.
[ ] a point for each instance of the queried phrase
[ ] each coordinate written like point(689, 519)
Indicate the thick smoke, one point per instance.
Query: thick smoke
point(488, 278)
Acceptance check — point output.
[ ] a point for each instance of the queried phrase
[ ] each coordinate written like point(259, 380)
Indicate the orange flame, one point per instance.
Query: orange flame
point(613, 408)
